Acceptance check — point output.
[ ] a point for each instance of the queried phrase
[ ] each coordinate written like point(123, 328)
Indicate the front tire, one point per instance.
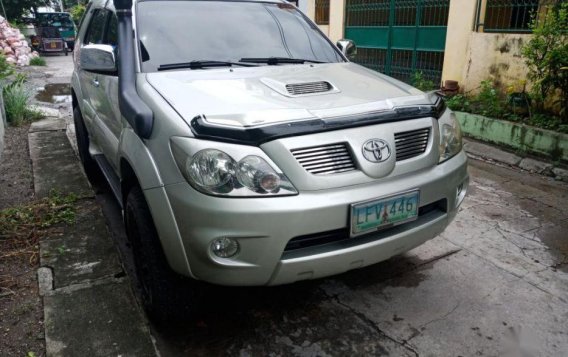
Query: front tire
point(165, 295)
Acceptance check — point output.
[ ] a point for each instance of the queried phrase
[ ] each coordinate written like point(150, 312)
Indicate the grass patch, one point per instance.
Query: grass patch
point(516, 106)
point(38, 61)
point(22, 227)
point(16, 101)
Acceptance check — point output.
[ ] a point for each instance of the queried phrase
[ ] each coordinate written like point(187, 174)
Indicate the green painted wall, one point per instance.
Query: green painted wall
point(519, 137)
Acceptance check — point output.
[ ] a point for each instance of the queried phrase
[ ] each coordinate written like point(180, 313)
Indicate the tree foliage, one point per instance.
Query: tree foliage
point(546, 55)
point(77, 12)
point(15, 9)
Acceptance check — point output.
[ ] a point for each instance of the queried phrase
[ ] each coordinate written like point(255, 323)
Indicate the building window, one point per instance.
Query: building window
point(512, 15)
point(322, 12)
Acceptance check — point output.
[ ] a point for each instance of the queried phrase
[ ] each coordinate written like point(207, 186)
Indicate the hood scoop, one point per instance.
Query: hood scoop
point(308, 88)
point(295, 88)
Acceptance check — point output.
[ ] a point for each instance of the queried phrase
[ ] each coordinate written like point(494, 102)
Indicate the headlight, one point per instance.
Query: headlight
point(450, 135)
point(217, 172)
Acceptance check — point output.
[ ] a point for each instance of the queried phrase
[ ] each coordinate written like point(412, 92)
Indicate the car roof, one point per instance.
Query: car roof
point(110, 4)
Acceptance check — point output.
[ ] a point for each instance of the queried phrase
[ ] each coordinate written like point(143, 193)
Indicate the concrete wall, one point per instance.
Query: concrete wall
point(335, 29)
point(471, 57)
point(496, 57)
point(516, 136)
point(460, 23)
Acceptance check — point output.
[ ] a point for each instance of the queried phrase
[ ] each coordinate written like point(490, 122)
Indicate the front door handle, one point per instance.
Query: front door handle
point(96, 82)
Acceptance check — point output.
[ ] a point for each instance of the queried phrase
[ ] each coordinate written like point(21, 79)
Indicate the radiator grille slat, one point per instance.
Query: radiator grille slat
point(326, 159)
point(335, 158)
point(308, 88)
point(412, 143)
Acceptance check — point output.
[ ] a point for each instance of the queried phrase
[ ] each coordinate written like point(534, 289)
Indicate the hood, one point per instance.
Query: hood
point(255, 96)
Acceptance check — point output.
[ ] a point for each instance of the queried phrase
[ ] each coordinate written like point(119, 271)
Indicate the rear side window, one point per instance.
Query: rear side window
point(96, 30)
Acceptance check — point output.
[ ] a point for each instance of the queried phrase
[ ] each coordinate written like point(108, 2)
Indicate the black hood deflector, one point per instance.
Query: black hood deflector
point(256, 136)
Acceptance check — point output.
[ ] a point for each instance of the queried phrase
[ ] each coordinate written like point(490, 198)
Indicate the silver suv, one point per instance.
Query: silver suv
point(246, 149)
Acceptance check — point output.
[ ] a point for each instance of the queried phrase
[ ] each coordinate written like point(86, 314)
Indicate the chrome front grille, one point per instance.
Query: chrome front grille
point(308, 88)
point(410, 144)
point(327, 159)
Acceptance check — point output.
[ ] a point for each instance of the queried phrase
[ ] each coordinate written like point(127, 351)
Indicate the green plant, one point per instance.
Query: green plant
point(488, 101)
point(16, 103)
point(544, 121)
point(459, 102)
point(6, 69)
point(546, 55)
point(77, 12)
point(422, 83)
point(38, 61)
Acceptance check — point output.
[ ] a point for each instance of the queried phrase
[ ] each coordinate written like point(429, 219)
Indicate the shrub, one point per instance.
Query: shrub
point(422, 83)
point(546, 55)
point(38, 61)
point(77, 13)
point(16, 103)
point(459, 102)
point(488, 101)
point(6, 69)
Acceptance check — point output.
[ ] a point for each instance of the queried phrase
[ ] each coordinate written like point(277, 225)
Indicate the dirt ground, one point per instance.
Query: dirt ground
point(16, 180)
point(21, 309)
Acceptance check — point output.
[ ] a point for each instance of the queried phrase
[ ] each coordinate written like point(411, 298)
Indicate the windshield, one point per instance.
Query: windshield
point(185, 31)
point(55, 19)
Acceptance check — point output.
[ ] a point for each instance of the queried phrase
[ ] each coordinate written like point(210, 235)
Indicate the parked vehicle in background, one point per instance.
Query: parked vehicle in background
point(246, 149)
point(48, 40)
point(60, 20)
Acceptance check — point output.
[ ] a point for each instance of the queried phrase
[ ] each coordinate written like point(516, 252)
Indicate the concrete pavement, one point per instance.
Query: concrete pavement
point(494, 283)
point(89, 308)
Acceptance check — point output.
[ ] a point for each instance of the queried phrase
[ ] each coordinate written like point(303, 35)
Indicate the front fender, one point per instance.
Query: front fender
point(134, 151)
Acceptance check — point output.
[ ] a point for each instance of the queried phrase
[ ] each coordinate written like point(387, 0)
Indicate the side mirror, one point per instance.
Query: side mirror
point(98, 58)
point(348, 48)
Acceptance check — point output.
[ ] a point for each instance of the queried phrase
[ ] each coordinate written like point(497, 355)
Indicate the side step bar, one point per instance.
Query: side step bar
point(111, 177)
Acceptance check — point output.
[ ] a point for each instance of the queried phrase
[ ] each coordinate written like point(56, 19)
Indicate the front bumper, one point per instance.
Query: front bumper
point(264, 226)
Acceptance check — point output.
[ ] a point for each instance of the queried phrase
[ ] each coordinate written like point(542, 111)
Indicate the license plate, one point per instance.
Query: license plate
point(384, 212)
point(53, 45)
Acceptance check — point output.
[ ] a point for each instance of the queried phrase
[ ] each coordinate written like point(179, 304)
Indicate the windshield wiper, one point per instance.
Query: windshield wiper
point(279, 60)
point(202, 64)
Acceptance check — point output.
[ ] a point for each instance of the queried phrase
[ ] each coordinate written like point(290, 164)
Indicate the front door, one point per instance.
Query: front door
point(399, 37)
point(102, 89)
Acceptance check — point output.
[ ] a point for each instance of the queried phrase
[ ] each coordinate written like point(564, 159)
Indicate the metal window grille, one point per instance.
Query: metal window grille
point(322, 12)
point(513, 16)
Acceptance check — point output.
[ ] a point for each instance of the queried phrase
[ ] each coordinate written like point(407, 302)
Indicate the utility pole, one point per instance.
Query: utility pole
point(3, 10)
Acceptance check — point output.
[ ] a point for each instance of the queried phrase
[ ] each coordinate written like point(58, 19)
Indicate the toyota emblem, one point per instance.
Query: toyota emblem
point(376, 150)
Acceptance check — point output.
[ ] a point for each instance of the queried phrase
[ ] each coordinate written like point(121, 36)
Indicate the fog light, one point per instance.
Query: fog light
point(225, 247)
